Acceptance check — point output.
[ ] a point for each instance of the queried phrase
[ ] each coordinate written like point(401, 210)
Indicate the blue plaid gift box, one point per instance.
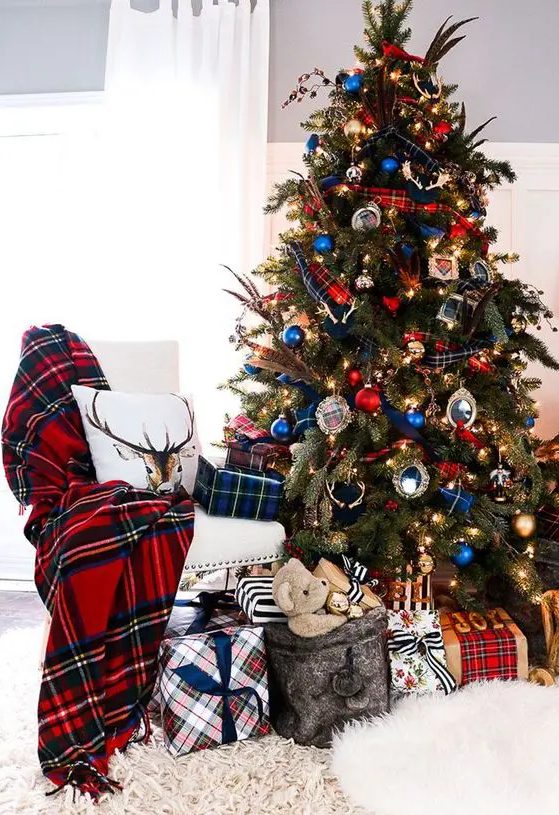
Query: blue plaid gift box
point(235, 492)
point(214, 689)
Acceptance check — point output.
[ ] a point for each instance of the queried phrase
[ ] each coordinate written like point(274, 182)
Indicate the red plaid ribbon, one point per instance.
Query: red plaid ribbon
point(245, 427)
point(402, 201)
point(489, 654)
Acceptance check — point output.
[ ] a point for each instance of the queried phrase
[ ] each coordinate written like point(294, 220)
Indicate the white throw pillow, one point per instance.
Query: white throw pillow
point(148, 440)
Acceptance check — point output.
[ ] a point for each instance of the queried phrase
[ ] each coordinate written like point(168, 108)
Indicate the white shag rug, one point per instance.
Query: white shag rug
point(491, 749)
point(269, 776)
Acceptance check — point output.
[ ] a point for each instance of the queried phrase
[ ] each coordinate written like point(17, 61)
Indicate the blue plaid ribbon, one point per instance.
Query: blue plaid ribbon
point(321, 285)
point(416, 153)
point(305, 419)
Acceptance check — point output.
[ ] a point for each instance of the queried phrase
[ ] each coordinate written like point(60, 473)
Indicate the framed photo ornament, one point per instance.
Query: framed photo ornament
point(443, 267)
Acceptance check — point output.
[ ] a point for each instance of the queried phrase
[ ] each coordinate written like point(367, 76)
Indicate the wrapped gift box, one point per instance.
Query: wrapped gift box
point(254, 595)
point(417, 653)
point(235, 492)
point(256, 457)
point(484, 646)
point(214, 689)
point(341, 580)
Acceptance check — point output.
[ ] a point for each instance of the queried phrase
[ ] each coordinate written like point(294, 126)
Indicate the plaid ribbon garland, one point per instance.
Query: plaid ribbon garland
point(234, 492)
point(488, 654)
point(401, 200)
point(417, 153)
point(445, 353)
point(320, 283)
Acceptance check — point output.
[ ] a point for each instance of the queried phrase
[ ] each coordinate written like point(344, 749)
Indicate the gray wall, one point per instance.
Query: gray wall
point(508, 65)
point(52, 45)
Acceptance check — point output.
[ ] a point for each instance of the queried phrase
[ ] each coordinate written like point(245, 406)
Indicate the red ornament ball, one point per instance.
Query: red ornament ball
point(367, 399)
point(392, 304)
point(391, 505)
point(442, 128)
point(354, 377)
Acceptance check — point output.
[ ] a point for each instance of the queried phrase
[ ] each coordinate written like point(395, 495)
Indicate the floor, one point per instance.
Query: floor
point(19, 609)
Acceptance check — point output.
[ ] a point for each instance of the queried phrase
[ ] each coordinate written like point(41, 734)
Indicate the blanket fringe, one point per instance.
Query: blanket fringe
point(83, 777)
point(143, 732)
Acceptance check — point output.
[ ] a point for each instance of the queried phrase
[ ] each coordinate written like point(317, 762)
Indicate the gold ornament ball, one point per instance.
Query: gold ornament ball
point(426, 563)
point(523, 524)
point(416, 349)
point(353, 129)
point(354, 612)
point(337, 542)
point(518, 323)
point(337, 603)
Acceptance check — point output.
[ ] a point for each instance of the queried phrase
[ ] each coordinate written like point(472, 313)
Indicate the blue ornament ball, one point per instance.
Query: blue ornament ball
point(312, 143)
point(416, 418)
point(529, 422)
point(353, 83)
point(323, 244)
point(464, 556)
point(390, 165)
point(293, 336)
point(281, 429)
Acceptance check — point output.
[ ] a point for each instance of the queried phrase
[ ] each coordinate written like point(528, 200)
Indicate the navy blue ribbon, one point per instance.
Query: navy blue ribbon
point(308, 391)
point(204, 683)
point(417, 154)
point(247, 444)
point(400, 422)
point(206, 604)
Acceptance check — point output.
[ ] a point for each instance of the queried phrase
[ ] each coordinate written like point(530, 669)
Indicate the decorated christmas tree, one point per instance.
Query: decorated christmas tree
point(389, 351)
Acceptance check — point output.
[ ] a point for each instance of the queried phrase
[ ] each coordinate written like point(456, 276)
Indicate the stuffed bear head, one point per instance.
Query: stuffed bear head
point(297, 591)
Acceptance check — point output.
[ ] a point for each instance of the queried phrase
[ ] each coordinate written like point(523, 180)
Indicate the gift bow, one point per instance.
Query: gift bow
point(357, 574)
point(408, 643)
point(204, 683)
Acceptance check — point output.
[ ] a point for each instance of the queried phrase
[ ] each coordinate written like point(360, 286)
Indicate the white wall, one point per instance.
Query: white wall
point(526, 214)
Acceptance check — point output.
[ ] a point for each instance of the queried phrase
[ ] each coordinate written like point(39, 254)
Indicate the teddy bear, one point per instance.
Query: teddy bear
point(300, 596)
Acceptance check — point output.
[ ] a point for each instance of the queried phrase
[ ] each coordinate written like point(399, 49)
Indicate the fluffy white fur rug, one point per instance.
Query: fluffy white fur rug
point(491, 749)
point(269, 776)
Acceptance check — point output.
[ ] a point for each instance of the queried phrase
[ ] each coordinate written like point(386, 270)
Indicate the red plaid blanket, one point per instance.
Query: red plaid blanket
point(108, 562)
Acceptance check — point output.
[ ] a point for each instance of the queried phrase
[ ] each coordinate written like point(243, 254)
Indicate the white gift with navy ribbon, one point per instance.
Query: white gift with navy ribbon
point(254, 595)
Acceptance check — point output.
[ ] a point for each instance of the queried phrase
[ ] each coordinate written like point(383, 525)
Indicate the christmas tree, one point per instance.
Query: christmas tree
point(390, 356)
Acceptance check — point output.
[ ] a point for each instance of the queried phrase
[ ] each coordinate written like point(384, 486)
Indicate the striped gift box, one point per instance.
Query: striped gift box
point(254, 595)
point(235, 492)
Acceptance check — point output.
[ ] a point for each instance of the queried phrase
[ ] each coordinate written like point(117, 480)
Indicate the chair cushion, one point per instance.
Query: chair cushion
point(221, 543)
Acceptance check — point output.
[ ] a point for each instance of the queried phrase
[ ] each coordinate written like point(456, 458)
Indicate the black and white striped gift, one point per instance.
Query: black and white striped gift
point(254, 595)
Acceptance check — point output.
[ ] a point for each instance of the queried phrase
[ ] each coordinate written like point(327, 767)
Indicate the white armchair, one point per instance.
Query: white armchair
point(218, 543)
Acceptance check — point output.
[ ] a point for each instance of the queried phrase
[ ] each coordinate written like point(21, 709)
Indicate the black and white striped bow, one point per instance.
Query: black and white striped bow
point(406, 642)
point(357, 574)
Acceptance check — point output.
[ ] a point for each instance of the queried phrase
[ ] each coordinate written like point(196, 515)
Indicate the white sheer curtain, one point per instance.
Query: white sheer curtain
point(116, 213)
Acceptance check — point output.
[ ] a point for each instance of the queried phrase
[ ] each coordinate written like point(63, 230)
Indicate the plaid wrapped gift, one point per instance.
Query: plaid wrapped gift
point(256, 457)
point(234, 492)
point(498, 651)
point(254, 595)
point(214, 689)
point(417, 654)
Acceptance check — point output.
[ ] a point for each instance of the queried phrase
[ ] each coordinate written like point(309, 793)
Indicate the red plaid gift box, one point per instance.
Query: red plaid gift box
point(243, 426)
point(484, 646)
point(257, 457)
point(214, 689)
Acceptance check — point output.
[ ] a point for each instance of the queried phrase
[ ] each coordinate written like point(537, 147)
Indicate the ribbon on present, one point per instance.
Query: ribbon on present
point(358, 576)
point(408, 643)
point(204, 683)
point(205, 605)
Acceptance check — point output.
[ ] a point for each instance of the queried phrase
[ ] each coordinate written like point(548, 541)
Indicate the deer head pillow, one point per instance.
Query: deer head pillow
point(148, 440)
